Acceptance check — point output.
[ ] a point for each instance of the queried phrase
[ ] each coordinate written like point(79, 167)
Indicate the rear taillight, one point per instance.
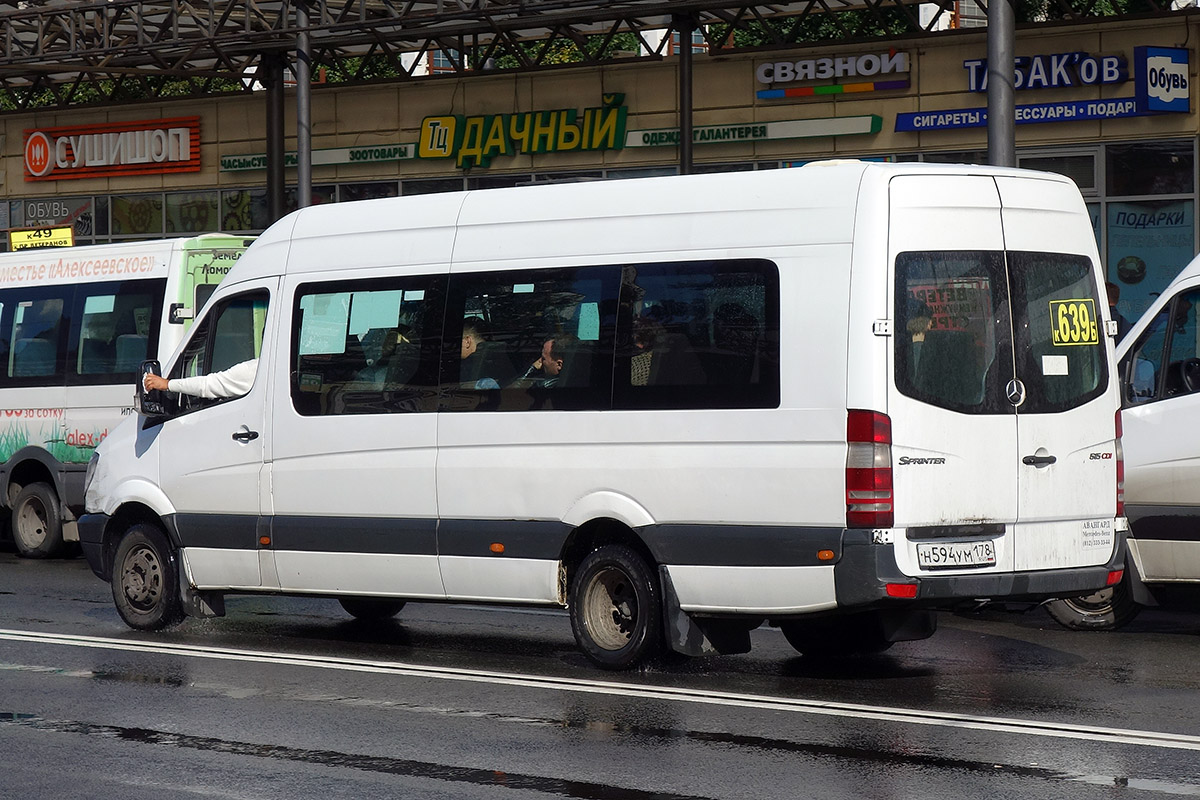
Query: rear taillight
point(1120, 470)
point(868, 470)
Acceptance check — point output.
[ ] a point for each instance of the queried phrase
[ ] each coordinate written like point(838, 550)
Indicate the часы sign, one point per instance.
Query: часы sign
point(148, 147)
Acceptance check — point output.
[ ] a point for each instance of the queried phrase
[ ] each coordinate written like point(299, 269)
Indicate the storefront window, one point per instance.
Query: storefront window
point(957, 157)
point(1080, 168)
point(135, 214)
point(433, 186)
point(244, 210)
point(320, 195)
point(367, 191)
point(102, 215)
point(1148, 243)
point(74, 211)
point(192, 212)
point(497, 181)
point(1144, 168)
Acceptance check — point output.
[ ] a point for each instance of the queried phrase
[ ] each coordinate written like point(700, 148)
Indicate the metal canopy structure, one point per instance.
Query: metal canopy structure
point(58, 53)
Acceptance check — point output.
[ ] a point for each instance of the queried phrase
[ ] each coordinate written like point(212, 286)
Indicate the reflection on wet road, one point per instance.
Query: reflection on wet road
point(286, 698)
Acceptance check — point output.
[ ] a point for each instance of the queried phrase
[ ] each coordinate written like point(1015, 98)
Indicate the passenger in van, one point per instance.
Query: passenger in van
point(647, 333)
point(546, 371)
point(233, 382)
point(376, 372)
point(920, 320)
point(474, 344)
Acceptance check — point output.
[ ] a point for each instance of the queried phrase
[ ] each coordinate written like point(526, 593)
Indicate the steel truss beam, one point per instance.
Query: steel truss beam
point(55, 53)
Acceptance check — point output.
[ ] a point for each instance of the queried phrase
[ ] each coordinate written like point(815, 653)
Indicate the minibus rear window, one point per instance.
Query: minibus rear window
point(1059, 330)
point(952, 330)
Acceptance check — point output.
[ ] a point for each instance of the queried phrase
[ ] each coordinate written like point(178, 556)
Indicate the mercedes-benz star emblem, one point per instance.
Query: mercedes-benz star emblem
point(1015, 391)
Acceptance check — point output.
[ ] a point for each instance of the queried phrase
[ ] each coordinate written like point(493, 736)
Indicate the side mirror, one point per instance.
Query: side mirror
point(153, 403)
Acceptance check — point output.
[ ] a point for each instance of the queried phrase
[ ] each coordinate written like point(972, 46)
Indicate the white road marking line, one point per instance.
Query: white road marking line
point(910, 716)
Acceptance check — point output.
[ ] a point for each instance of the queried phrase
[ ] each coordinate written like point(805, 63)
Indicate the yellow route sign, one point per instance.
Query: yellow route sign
point(41, 237)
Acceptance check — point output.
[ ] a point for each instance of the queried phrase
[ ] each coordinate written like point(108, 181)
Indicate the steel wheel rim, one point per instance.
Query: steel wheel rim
point(31, 522)
point(610, 608)
point(142, 578)
point(1097, 602)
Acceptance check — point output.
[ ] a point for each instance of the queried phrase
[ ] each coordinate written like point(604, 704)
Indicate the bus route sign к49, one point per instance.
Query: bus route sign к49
point(41, 237)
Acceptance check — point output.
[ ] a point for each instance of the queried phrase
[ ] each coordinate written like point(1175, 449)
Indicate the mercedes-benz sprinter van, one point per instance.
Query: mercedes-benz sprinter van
point(833, 399)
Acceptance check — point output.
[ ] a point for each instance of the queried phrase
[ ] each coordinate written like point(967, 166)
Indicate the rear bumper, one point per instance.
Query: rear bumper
point(91, 541)
point(865, 569)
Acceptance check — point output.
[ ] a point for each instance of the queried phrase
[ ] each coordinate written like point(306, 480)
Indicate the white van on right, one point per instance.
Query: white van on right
point(1159, 368)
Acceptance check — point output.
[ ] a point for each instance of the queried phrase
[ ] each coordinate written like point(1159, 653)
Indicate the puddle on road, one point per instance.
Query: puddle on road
point(558, 787)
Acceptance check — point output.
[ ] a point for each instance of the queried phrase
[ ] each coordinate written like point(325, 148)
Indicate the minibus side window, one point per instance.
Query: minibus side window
point(1143, 367)
point(497, 328)
point(36, 327)
point(952, 332)
point(117, 330)
point(1060, 336)
point(231, 334)
point(698, 335)
point(366, 347)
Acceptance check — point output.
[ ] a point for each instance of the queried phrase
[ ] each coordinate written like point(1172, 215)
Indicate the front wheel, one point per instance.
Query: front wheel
point(145, 580)
point(37, 522)
point(615, 607)
point(1104, 610)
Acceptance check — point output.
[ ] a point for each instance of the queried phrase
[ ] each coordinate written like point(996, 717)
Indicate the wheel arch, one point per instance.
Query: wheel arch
point(593, 534)
point(31, 465)
point(127, 515)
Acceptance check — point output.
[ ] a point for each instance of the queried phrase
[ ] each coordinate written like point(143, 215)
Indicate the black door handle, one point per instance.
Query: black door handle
point(1037, 461)
point(245, 436)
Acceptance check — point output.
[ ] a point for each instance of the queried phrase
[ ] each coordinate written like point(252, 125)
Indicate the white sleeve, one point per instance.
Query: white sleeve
point(233, 382)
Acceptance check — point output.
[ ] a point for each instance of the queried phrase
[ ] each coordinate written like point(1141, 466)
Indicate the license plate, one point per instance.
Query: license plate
point(947, 555)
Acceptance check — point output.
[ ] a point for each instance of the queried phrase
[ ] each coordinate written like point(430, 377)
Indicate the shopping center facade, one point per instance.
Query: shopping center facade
point(1106, 102)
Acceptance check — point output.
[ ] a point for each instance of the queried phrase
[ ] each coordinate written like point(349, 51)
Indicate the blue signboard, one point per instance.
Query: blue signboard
point(1161, 79)
point(1069, 111)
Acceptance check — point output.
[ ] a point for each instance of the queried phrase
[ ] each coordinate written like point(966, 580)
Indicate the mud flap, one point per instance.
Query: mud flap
point(906, 625)
point(690, 636)
point(200, 604)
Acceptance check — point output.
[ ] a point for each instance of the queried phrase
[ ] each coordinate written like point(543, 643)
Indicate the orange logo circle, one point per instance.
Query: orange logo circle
point(37, 154)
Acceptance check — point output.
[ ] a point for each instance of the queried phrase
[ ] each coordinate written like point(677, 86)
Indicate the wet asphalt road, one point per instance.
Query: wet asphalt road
point(289, 698)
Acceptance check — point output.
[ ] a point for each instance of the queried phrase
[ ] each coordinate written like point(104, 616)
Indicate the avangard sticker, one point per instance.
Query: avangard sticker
point(1097, 533)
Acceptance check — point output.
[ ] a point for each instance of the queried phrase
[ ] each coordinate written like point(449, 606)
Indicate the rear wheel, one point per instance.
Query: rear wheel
point(145, 579)
point(834, 637)
point(37, 522)
point(371, 609)
point(615, 606)
point(1105, 610)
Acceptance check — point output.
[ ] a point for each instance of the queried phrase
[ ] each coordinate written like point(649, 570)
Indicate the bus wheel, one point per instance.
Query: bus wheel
point(370, 609)
point(145, 580)
point(838, 636)
point(37, 522)
point(615, 609)
point(1105, 610)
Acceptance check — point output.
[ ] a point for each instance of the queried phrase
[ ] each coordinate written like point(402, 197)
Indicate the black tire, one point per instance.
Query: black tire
point(371, 609)
point(37, 522)
point(145, 579)
point(1105, 610)
point(616, 608)
point(837, 637)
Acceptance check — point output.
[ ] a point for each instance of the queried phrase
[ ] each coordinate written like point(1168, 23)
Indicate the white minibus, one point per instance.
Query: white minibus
point(75, 325)
point(1158, 363)
point(833, 399)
